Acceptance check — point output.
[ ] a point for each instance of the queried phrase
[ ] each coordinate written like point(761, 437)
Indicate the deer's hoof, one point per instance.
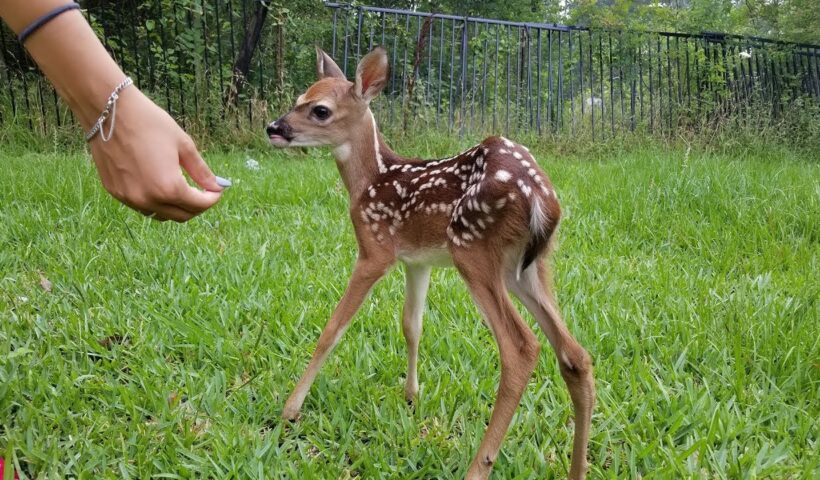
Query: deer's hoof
point(290, 414)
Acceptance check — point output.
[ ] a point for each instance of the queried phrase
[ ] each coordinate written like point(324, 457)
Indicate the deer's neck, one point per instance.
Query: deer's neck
point(364, 158)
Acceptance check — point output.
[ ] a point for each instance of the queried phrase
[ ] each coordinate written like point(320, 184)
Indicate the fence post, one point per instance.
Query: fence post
point(463, 76)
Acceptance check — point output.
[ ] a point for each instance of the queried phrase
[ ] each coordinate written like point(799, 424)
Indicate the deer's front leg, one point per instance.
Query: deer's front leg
point(367, 272)
point(417, 279)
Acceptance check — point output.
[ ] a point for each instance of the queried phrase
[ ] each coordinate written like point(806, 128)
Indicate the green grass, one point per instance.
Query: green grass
point(168, 350)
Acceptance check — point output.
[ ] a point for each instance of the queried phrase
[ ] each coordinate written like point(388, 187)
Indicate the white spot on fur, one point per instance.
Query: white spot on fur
point(502, 175)
point(518, 155)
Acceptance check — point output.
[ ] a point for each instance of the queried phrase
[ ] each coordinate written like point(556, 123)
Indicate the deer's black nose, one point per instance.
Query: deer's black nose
point(279, 128)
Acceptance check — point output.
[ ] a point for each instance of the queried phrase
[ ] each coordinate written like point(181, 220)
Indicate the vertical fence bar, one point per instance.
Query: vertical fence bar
point(688, 86)
point(591, 86)
point(601, 81)
point(677, 69)
point(165, 62)
point(639, 60)
point(670, 110)
point(440, 65)
point(405, 34)
point(621, 58)
point(393, 69)
point(24, 69)
point(698, 80)
point(633, 84)
point(333, 29)
point(538, 82)
point(581, 73)
point(484, 77)
point(206, 66)
point(495, 80)
point(611, 88)
point(560, 102)
point(651, 88)
point(346, 38)
point(452, 72)
point(507, 96)
point(519, 75)
point(571, 88)
point(41, 101)
point(431, 35)
point(660, 83)
point(464, 36)
point(190, 21)
point(219, 56)
point(550, 116)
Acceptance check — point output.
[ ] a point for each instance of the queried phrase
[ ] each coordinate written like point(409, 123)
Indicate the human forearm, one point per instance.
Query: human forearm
point(69, 54)
point(140, 164)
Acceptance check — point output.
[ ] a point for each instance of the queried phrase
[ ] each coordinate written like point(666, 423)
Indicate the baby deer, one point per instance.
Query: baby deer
point(490, 211)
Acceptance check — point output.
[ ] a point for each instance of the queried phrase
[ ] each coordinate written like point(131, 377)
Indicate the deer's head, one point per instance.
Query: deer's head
point(333, 110)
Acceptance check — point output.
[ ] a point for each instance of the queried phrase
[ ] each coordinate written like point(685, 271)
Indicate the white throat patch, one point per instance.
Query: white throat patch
point(342, 152)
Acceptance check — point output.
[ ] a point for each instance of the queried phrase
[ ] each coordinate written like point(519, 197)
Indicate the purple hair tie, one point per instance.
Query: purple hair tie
point(44, 19)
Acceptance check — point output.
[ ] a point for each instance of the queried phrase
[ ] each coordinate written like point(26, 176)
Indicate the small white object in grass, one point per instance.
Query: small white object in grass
point(251, 164)
point(745, 54)
point(23, 299)
point(223, 182)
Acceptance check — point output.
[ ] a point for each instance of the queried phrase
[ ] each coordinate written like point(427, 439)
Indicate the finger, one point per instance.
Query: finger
point(192, 162)
point(170, 212)
point(196, 201)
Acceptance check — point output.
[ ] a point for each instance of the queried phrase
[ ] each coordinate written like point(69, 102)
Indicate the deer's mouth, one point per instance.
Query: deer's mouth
point(279, 134)
point(278, 140)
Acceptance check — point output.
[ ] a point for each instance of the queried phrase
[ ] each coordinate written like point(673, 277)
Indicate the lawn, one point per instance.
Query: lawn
point(131, 349)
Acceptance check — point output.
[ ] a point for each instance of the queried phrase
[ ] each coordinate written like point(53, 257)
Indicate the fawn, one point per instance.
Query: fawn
point(489, 211)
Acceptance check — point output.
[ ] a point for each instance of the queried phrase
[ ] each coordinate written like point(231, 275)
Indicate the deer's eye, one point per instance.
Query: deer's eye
point(320, 112)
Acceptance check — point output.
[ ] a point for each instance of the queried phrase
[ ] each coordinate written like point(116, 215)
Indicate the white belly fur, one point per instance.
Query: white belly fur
point(435, 257)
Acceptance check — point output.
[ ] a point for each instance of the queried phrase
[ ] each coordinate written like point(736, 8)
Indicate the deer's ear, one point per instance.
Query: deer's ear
point(371, 74)
point(325, 66)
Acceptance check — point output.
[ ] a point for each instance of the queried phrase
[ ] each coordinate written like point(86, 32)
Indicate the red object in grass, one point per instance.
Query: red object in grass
point(3, 469)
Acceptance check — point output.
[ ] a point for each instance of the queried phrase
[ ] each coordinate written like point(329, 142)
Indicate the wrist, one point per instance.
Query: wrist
point(81, 70)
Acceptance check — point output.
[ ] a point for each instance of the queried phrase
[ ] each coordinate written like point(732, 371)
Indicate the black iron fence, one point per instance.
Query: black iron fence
point(482, 74)
point(219, 62)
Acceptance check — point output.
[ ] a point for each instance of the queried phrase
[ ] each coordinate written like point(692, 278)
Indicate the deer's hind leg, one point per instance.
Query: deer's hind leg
point(417, 279)
point(533, 289)
point(517, 346)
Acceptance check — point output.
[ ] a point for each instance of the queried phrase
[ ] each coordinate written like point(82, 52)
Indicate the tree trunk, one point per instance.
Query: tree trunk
point(242, 64)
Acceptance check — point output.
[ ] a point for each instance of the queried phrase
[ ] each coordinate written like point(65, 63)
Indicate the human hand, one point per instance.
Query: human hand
point(140, 164)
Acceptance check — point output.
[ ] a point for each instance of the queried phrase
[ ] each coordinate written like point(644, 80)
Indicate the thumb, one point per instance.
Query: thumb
point(192, 162)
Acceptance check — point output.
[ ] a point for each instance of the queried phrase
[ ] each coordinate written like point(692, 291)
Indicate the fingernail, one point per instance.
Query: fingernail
point(223, 182)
